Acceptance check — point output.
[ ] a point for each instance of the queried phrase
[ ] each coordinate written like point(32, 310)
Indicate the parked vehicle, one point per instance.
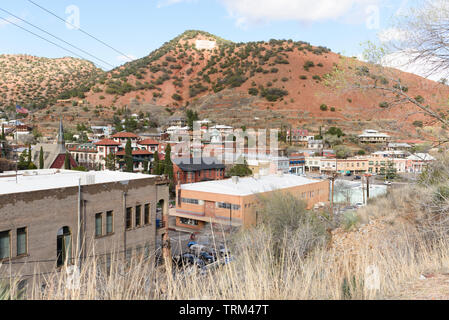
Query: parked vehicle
point(388, 183)
point(196, 249)
point(358, 178)
point(206, 257)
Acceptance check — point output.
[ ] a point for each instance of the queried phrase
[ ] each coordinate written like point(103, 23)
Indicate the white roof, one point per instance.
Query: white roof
point(220, 126)
point(35, 180)
point(421, 157)
point(250, 185)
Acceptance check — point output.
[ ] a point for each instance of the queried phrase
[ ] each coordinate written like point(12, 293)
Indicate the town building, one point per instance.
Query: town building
point(192, 170)
point(374, 136)
point(51, 217)
point(315, 144)
point(54, 154)
point(236, 202)
point(297, 163)
point(417, 163)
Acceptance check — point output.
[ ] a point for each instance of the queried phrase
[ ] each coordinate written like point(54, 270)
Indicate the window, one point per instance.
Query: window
point(190, 201)
point(129, 218)
point(189, 222)
point(5, 245)
point(224, 205)
point(147, 215)
point(138, 216)
point(98, 225)
point(21, 241)
point(109, 222)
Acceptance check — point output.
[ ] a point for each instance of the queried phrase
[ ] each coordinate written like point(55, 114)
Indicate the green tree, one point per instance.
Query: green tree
point(145, 166)
point(110, 162)
point(156, 164)
point(241, 170)
point(22, 164)
point(192, 116)
point(391, 171)
point(168, 165)
point(129, 164)
point(67, 163)
point(41, 158)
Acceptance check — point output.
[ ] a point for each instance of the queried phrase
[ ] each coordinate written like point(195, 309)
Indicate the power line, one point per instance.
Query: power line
point(79, 29)
point(35, 34)
point(58, 38)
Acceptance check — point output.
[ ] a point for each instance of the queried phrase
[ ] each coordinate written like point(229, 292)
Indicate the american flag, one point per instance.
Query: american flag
point(22, 110)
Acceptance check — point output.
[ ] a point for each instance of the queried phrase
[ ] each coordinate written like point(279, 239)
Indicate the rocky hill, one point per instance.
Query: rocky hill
point(35, 82)
point(255, 84)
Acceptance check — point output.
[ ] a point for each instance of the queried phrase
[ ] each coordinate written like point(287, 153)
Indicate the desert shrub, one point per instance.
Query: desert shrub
point(273, 94)
point(323, 107)
point(288, 221)
point(418, 123)
point(176, 97)
point(309, 64)
point(253, 91)
point(384, 104)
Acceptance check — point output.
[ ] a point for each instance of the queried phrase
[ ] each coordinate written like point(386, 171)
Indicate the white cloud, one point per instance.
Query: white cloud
point(392, 34)
point(406, 61)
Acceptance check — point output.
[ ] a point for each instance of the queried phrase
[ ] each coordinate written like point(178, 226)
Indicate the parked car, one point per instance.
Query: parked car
point(187, 258)
point(388, 183)
point(196, 249)
point(358, 178)
point(206, 257)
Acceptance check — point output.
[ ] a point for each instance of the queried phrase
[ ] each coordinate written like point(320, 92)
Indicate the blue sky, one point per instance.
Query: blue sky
point(137, 27)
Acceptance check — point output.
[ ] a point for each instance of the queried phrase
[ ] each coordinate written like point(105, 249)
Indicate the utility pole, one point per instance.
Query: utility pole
point(363, 191)
point(334, 176)
point(367, 188)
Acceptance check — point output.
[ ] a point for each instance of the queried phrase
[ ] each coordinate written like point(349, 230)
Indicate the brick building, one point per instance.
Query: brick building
point(41, 214)
point(186, 170)
point(236, 201)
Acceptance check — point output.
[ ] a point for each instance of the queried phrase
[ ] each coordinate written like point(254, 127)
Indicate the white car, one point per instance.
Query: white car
point(388, 183)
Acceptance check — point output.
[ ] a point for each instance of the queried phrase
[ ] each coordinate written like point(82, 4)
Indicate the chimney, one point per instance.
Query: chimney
point(235, 179)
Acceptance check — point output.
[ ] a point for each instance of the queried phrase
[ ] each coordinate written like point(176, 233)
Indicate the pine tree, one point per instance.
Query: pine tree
point(2, 137)
point(129, 164)
point(145, 166)
point(156, 164)
point(29, 156)
point(41, 159)
point(168, 165)
point(67, 164)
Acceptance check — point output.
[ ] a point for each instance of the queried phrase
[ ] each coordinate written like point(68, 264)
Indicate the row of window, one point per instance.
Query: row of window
point(190, 201)
point(5, 243)
point(224, 205)
point(138, 221)
point(310, 194)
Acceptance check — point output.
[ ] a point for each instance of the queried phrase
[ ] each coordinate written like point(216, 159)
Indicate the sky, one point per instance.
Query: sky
point(134, 28)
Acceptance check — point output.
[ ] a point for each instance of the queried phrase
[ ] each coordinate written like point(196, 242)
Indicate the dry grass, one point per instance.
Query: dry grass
point(392, 243)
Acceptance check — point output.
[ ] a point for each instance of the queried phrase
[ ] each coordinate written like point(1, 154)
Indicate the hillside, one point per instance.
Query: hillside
point(35, 82)
point(256, 84)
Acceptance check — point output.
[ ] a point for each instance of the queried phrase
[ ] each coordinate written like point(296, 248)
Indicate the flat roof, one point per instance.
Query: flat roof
point(37, 180)
point(250, 185)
